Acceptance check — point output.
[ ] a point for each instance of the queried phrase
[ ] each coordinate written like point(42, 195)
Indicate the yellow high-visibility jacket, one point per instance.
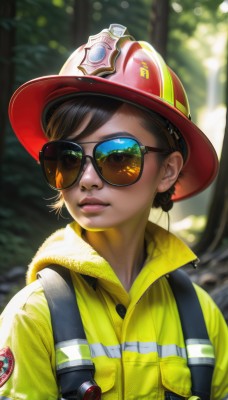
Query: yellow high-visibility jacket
point(136, 357)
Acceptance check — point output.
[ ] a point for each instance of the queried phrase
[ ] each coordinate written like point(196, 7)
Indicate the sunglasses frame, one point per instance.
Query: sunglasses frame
point(143, 150)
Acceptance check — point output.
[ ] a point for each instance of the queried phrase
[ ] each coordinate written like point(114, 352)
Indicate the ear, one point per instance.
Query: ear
point(171, 168)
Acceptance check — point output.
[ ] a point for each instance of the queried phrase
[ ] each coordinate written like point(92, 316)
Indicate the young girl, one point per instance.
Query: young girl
point(113, 135)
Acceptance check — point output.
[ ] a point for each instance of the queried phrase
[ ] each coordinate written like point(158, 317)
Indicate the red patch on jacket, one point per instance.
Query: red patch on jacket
point(6, 364)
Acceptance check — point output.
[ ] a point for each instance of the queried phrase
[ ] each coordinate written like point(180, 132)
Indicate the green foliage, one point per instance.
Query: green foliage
point(190, 228)
point(42, 37)
point(189, 63)
point(43, 32)
point(133, 14)
point(24, 216)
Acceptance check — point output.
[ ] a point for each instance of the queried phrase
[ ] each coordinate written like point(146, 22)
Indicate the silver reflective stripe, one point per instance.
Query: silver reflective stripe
point(78, 352)
point(171, 350)
point(141, 348)
point(72, 353)
point(200, 351)
point(98, 350)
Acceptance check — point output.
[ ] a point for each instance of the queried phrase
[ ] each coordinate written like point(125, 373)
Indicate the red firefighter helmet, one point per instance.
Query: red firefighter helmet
point(113, 64)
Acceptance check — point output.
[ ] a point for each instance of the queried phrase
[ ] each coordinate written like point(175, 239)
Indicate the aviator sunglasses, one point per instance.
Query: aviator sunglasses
point(118, 161)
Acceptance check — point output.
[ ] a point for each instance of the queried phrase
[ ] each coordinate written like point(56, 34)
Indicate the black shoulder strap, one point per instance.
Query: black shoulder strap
point(195, 332)
point(67, 325)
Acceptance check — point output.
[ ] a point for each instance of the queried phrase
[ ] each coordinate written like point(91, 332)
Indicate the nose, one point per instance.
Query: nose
point(89, 178)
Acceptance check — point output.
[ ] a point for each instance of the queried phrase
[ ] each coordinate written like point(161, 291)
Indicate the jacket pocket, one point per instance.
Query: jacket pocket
point(176, 377)
point(106, 378)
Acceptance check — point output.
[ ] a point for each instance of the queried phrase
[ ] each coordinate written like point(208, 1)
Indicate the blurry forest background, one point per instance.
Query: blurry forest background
point(36, 37)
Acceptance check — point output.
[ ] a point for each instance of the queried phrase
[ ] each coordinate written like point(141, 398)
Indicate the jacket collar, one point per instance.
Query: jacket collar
point(66, 247)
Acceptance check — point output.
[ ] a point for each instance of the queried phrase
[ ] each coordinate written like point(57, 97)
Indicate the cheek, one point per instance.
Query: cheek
point(69, 199)
point(127, 201)
point(152, 174)
point(142, 193)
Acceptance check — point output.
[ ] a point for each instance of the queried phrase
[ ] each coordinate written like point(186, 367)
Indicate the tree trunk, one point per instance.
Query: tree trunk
point(7, 39)
point(159, 25)
point(80, 22)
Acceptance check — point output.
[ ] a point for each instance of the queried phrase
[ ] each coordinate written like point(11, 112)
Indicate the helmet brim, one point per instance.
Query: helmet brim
point(29, 101)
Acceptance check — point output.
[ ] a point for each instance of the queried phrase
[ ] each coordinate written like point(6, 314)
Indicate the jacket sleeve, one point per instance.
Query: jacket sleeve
point(218, 334)
point(27, 360)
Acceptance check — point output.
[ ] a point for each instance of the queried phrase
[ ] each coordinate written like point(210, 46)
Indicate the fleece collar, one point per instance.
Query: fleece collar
point(66, 247)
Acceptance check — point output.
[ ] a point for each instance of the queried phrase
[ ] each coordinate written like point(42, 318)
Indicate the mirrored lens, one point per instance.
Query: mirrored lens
point(119, 160)
point(61, 163)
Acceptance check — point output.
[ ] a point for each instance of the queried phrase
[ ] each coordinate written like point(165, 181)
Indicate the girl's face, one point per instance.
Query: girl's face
point(95, 204)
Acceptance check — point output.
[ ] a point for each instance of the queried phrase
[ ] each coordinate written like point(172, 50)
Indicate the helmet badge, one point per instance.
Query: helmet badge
point(101, 51)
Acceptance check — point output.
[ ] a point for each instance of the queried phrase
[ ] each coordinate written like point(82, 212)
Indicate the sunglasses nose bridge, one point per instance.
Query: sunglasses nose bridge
point(85, 163)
